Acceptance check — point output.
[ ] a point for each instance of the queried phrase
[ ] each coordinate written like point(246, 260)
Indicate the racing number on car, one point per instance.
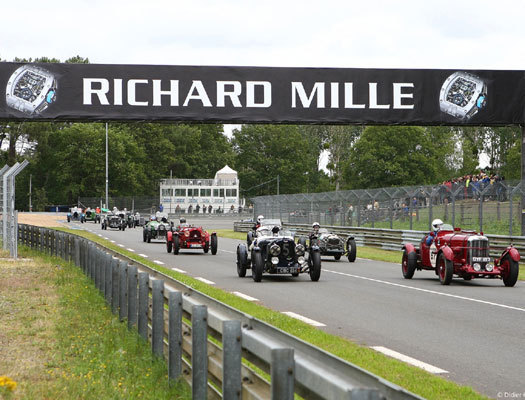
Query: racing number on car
point(286, 249)
point(433, 254)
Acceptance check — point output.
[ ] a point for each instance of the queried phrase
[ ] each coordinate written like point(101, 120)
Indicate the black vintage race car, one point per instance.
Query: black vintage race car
point(273, 250)
point(113, 221)
point(331, 244)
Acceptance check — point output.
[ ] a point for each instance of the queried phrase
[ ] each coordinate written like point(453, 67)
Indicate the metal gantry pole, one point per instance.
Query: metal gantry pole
point(107, 177)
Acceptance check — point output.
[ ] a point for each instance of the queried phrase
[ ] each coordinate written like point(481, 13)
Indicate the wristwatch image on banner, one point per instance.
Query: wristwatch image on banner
point(31, 89)
point(462, 95)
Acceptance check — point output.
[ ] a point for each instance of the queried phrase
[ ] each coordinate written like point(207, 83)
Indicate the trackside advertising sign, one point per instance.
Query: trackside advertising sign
point(96, 92)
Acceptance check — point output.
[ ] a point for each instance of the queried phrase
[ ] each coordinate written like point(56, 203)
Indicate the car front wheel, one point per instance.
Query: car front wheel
point(258, 266)
point(214, 244)
point(511, 271)
point(169, 246)
point(351, 249)
point(315, 266)
point(445, 270)
point(242, 260)
point(176, 245)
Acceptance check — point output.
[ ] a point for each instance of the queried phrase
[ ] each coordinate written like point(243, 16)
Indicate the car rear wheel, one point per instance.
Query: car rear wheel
point(315, 266)
point(176, 245)
point(148, 237)
point(214, 244)
point(144, 236)
point(169, 245)
point(302, 240)
point(242, 260)
point(511, 270)
point(445, 269)
point(337, 257)
point(351, 250)
point(206, 247)
point(295, 274)
point(408, 264)
point(258, 266)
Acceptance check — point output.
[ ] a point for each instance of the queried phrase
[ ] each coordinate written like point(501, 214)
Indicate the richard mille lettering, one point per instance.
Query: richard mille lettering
point(31, 89)
point(462, 95)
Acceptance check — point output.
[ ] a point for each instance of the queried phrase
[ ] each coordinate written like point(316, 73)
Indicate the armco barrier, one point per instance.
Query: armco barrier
point(391, 239)
point(155, 304)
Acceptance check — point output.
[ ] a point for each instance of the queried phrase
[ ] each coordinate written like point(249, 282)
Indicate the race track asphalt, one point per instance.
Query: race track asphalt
point(475, 331)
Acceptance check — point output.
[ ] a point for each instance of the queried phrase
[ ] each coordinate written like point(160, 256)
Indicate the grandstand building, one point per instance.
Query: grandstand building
point(220, 194)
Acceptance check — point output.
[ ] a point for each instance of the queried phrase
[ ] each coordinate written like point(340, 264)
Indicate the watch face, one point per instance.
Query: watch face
point(31, 89)
point(462, 95)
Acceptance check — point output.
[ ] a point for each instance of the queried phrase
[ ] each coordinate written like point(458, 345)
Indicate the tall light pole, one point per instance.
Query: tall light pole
point(107, 180)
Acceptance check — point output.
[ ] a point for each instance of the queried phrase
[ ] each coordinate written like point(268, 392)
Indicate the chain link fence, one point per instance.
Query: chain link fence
point(491, 207)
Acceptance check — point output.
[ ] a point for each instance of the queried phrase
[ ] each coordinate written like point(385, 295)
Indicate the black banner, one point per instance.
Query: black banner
point(96, 92)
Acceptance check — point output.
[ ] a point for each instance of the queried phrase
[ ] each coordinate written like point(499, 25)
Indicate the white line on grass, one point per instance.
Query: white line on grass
point(304, 319)
point(143, 255)
point(409, 360)
point(245, 296)
point(158, 262)
point(428, 291)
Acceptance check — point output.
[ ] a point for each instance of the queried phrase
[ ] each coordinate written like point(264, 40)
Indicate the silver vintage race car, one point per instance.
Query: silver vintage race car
point(331, 244)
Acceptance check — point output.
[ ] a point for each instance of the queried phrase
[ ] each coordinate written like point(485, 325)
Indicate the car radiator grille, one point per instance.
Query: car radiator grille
point(478, 248)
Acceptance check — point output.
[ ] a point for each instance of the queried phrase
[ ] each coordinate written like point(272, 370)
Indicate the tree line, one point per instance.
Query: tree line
point(67, 160)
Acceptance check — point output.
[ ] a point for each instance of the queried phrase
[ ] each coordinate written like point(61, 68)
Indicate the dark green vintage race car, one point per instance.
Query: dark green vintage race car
point(91, 215)
point(156, 228)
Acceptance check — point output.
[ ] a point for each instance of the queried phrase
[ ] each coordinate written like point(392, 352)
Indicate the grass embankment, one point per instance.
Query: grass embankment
point(59, 339)
point(411, 378)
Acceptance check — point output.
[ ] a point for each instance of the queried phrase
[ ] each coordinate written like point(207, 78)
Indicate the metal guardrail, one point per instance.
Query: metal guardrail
point(155, 303)
point(391, 239)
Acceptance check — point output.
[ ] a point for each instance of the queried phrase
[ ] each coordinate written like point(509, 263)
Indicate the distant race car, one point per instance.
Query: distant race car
point(156, 228)
point(75, 214)
point(186, 236)
point(331, 244)
point(91, 215)
point(114, 220)
point(273, 250)
point(461, 253)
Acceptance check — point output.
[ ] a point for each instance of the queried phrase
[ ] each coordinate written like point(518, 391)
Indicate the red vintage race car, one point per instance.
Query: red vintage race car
point(186, 236)
point(465, 254)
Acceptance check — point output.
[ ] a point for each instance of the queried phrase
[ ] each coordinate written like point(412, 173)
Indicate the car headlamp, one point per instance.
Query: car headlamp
point(275, 260)
point(301, 260)
point(275, 250)
point(489, 267)
point(477, 267)
point(299, 250)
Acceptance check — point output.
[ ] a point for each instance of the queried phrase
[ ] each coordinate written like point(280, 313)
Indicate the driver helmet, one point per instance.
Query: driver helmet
point(182, 220)
point(260, 218)
point(316, 226)
point(436, 225)
point(275, 230)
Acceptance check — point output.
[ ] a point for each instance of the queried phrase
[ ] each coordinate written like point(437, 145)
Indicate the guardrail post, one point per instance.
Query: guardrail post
point(231, 359)
point(96, 257)
point(123, 288)
point(175, 335)
point(115, 285)
point(102, 272)
point(282, 371)
point(199, 352)
point(109, 280)
point(157, 318)
point(143, 305)
point(88, 259)
point(68, 247)
point(132, 295)
point(76, 251)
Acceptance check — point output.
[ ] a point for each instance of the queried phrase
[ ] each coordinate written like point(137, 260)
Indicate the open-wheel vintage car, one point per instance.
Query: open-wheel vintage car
point(456, 252)
point(331, 244)
point(156, 228)
point(271, 249)
point(75, 214)
point(92, 215)
point(186, 236)
point(114, 220)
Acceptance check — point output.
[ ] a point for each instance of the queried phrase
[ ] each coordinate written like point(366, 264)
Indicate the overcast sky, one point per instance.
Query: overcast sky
point(482, 34)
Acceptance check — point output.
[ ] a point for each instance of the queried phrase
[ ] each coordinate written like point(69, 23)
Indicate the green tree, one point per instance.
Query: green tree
point(386, 156)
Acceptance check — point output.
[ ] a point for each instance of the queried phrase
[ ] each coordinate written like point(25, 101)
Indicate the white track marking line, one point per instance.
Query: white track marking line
point(228, 251)
point(143, 255)
point(205, 281)
point(428, 291)
point(120, 245)
point(112, 241)
point(106, 238)
point(409, 360)
point(245, 296)
point(304, 319)
point(179, 270)
point(158, 262)
point(131, 250)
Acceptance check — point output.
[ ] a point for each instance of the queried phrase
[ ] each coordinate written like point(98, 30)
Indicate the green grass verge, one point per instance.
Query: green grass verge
point(411, 378)
point(96, 355)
